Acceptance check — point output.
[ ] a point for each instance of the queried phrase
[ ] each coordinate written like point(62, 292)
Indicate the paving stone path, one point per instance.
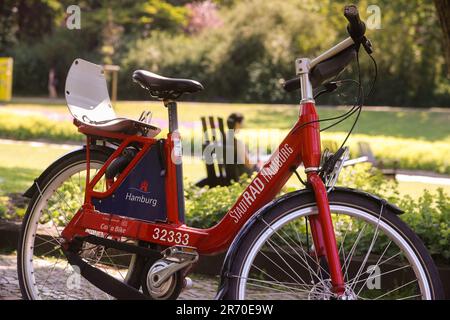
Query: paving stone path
point(203, 287)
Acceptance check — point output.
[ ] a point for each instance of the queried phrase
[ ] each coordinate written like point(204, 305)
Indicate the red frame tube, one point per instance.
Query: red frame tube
point(302, 144)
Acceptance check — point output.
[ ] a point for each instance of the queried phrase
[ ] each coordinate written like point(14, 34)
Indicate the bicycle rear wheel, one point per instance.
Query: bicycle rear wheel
point(381, 257)
point(44, 272)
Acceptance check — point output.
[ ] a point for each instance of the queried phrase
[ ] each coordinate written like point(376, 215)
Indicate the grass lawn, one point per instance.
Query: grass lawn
point(21, 163)
point(16, 179)
point(416, 189)
point(419, 124)
point(418, 140)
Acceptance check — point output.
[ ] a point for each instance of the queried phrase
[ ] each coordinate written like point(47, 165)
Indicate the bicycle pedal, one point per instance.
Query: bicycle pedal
point(181, 254)
point(188, 283)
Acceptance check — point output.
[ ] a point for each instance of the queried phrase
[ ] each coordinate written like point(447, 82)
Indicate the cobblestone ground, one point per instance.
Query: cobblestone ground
point(203, 287)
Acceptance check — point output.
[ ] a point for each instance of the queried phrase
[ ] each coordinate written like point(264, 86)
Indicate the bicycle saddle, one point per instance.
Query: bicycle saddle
point(165, 88)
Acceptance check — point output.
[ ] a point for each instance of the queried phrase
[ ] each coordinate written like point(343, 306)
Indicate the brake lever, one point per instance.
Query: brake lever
point(329, 88)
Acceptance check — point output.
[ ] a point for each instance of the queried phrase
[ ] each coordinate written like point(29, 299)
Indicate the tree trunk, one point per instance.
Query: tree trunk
point(443, 11)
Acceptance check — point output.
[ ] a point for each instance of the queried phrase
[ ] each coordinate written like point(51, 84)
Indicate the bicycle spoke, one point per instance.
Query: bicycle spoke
point(389, 292)
point(296, 290)
point(304, 253)
point(63, 271)
point(352, 250)
point(305, 262)
point(374, 238)
point(280, 267)
point(410, 297)
point(46, 241)
point(50, 251)
point(342, 249)
point(80, 194)
point(269, 241)
point(382, 274)
point(280, 284)
point(50, 273)
point(262, 271)
point(377, 265)
point(110, 263)
point(363, 264)
point(53, 225)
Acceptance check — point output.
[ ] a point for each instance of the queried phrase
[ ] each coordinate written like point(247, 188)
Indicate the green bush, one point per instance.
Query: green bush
point(429, 216)
point(10, 211)
point(3, 207)
point(206, 206)
point(404, 153)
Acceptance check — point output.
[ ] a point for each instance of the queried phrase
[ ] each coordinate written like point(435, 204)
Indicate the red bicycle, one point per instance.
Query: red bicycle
point(113, 211)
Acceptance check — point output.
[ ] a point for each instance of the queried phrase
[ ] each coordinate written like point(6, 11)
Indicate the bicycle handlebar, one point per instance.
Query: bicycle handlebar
point(356, 28)
point(291, 85)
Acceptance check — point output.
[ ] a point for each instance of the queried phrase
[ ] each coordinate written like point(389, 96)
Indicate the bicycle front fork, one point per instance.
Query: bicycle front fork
point(322, 229)
point(323, 234)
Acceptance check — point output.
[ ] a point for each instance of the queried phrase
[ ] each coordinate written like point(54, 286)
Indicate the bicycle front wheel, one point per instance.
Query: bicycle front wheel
point(381, 256)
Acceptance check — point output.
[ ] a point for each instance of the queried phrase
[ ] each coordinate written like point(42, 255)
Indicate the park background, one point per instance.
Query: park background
point(241, 51)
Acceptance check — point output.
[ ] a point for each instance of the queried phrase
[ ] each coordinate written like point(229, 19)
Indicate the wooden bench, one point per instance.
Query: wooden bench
point(214, 152)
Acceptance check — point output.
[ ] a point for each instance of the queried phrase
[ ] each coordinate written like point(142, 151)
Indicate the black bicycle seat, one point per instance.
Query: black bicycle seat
point(165, 88)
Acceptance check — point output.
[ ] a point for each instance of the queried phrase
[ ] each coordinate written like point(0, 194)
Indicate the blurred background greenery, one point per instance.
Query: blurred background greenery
point(240, 50)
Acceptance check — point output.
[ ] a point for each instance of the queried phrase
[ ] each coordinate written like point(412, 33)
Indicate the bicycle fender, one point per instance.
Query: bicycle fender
point(234, 247)
point(29, 193)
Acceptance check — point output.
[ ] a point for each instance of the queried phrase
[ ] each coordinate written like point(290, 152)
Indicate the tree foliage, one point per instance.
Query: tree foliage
point(443, 11)
point(240, 50)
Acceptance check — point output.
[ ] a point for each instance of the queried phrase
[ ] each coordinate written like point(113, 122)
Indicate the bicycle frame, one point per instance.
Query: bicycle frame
point(301, 145)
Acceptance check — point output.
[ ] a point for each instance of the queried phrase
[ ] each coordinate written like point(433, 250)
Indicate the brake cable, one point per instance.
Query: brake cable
point(330, 163)
point(357, 106)
point(361, 96)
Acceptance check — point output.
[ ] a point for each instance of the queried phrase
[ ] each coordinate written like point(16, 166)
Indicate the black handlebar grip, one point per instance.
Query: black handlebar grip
point(292, 85)
point(356, 28)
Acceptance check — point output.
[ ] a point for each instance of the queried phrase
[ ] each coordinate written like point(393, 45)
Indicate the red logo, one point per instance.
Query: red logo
point(144, 186)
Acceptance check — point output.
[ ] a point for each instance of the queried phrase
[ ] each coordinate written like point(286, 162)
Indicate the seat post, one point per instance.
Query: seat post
point(177, 152)
point(173, 114)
